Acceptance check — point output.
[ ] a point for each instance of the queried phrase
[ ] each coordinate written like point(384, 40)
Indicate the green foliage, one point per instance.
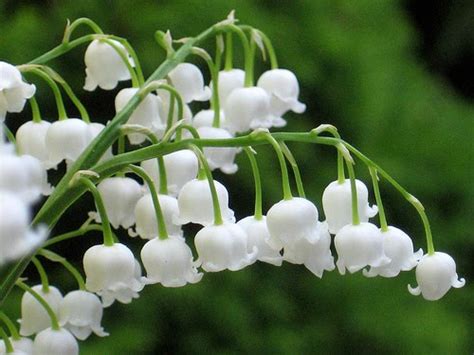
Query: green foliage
point(357, 65)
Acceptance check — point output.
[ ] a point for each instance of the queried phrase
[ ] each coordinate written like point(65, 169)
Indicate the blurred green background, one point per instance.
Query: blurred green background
point(393, 77)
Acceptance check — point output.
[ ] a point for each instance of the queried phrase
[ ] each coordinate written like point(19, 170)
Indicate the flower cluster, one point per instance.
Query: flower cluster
point(183, 151)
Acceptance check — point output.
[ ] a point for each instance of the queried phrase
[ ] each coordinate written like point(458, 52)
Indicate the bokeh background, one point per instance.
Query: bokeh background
point(395, 77)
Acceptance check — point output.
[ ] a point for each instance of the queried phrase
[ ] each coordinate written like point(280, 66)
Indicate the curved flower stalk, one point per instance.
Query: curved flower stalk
point(219, 158)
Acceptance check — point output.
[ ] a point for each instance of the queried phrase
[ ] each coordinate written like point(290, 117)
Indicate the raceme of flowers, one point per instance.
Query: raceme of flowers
point(162, 190)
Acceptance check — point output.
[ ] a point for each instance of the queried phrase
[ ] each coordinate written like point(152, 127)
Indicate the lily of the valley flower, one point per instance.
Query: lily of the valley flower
point(338, 208)
point(218, 157)
point(205, 118)
point(55, 342)
point(110, 272)
point(283, 88)
point(435, 275)
point(120, 195)
point(34, 316)
point(21, 346)
point(13, 90)
point(195, 203)
point(188, 80)
point(104, 66)
point(31, 139)
point(80, 312)
point(169, 262)
point(258, 236)
point(223, 247)
point(229, 80)
point(359, 246)
point(397, 246)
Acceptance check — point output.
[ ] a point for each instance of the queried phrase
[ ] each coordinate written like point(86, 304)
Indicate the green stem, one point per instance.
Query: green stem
point(215, 199)
point(355, 207)
point(8, 133)
point(133, 54)
point(35, 111)
point(48, 254)
point(248, 57)
point(378, 198)
point(107, 231)
point(268, 45)
point(54, 87)
point(229, 49)
point(170, 118)
point(163, 178)
point(73, 234)
point(296, 171)
point(162, 232)
point(10, 325)
point(173, 94)
point(258, 183)
point(6, 341)
point(42, 273)
point(219, 49)
point(124, 56)
point(70, 28)
point(341, 177)
point(41, 300)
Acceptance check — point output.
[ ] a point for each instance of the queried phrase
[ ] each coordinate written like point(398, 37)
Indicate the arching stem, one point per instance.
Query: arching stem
point(10, 325)
point(258, 184)
point(378, 199)
point(42, 273)
point(296, 171)
point(48, 254)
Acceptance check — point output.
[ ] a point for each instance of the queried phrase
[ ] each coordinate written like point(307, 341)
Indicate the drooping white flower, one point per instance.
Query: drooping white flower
point(283, 88)
point(55, 342)
point(248, 108)
point(223, 247)
point(13, 90)
point(146, 114)
point(316, 256)
point(16, 236)
point(34, 316)
point(435, 275)
point(104, 66)
point(359, 246)
point(110, 272)
point(188, 80)
point(66, 140)
point(291, 220)
point(229, 80)
point(337, 204)
point(80, 312)
point(205, 118)
point(145, 216)
point(219, 157)
point(258, 236)
point(169, 262)
point(21, 346)
point(31, 139)
point(181, 166)
point(25, 176)
point(95, 128)
point(397, 246)
point(120, 196)
point(195, 203)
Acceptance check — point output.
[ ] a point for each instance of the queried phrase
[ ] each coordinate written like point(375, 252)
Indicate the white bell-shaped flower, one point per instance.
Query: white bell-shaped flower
point(31, 139)
point(248, 108)
point(195, 203)
point(145, 216)
point(146, 114)
point(181, 167)
point(258, 236)
point(291, 220)
point(397, 246)
point(104, 66)
point(229, 80)
point(16, 236)
point(110, 272)
point(169, 262)
point(25, 176)
point(219, 157)
point(21, 346)
point(13, 90)
point(95, 128)
point(34, 316)
point(66, 140)
point(205, 118)
point(80, 312)
point(223, 247)
point(120, 196)
point(359, 246)
point(283, 88)
point(316, 256)
point(188, 80)
point(435, 275)
point(55, 342)
point(337, 204)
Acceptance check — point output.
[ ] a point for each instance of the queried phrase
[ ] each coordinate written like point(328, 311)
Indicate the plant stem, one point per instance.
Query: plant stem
point(58, 258)
point(258, 184)
point(42, 273)
point(296, 171)
point(268, 45)
point(35, 111)
point(355, 207)
point(70, 28)
point(73, 234)
point(6, 341)
point(124, 56)
point(378, 199)
point(133, 54)
point(229, 52)
point(10, 325)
